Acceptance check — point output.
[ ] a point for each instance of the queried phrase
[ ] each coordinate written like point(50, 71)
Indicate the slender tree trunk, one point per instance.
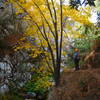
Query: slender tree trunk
point(58, 51)
point(57, 75)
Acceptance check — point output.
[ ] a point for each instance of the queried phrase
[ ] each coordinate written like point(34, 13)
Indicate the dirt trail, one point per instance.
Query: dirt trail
point(78, 85)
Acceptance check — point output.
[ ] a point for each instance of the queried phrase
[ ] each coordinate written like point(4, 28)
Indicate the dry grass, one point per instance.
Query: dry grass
point(78, 85)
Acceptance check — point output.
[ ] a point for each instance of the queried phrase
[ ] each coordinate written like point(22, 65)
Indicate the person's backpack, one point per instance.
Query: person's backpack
point(76, 56)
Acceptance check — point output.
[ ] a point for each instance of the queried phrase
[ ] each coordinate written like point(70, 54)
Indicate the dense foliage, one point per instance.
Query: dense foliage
point(37, 36)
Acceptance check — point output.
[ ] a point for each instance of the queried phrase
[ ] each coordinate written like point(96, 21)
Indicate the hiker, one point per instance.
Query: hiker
point(76, 58)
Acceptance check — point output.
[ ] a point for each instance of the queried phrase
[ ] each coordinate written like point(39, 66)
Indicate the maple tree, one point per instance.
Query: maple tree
point(47, 20)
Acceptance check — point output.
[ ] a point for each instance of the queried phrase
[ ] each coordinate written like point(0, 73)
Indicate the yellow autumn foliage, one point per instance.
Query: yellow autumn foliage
point(38, 16)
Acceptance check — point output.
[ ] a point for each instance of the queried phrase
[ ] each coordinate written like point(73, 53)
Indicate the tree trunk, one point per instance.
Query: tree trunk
point(57, 75)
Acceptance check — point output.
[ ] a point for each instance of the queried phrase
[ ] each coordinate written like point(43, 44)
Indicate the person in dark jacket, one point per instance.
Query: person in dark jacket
point(76, 58)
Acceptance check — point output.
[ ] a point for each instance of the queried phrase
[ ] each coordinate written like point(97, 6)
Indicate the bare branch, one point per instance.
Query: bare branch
point(45, 19)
